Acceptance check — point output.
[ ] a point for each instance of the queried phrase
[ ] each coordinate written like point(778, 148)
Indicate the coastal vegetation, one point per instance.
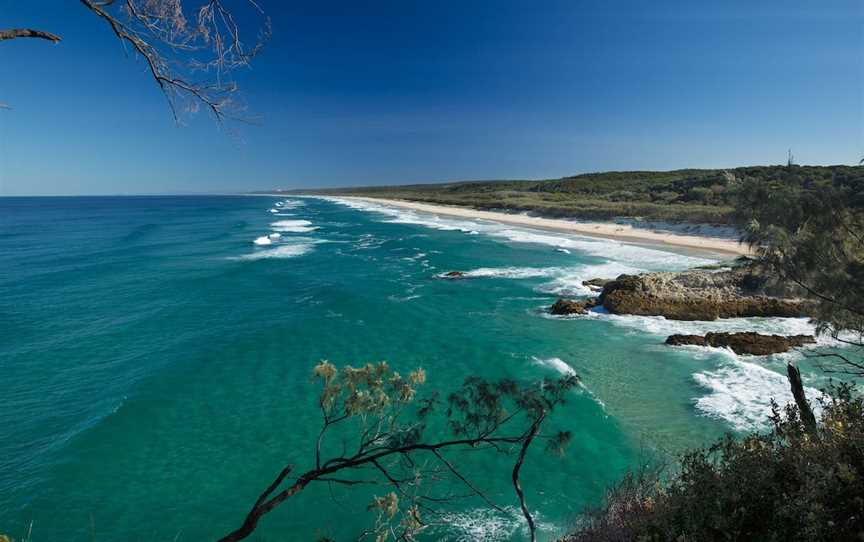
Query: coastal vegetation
point(803, 480)
point(809, 231)
point(793, 483)
point(689, 195)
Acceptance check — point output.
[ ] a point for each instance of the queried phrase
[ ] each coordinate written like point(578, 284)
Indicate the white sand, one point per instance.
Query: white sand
point(611, 230)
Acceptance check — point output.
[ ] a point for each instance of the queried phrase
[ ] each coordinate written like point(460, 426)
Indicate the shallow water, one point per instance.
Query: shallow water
point(155, 361)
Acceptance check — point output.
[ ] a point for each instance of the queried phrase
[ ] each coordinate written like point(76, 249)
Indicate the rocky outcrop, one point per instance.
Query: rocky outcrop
point(744, 343)
point(572, 306)
point(701, 295)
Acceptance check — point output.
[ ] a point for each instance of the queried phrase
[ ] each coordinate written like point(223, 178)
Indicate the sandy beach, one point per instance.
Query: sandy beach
point(622, 232)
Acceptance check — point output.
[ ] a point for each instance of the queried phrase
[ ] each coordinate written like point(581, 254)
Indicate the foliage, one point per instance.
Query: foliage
point(390, 436)
point(694, 195)
point(786, 485)
point(809, 230)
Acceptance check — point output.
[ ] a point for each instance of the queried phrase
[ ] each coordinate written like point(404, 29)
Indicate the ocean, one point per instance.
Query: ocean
point(156, 356)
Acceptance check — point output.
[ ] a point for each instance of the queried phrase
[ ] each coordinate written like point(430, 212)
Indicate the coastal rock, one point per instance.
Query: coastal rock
point(596, 284)
point(454, 275)
point(572, 306)
point(701, 295)
point(744, 343)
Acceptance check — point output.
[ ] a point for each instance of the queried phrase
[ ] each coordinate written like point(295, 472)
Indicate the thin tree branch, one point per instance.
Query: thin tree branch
point(535, 427)
point(264, 507)
point(13, 33)
point(467, 482)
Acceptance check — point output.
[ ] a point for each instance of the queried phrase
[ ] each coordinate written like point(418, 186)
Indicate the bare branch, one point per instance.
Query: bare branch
point(14, 33)
point(176, 48)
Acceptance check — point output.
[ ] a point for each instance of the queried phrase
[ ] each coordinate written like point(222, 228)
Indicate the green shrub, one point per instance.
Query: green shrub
point(784, 485)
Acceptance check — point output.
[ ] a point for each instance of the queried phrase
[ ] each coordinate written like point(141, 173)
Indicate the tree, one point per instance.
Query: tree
point(402, 443)
point(810, 232)
point(190, 51)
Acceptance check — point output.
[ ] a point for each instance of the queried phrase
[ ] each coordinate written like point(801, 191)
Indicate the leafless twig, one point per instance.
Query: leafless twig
point(191, 51)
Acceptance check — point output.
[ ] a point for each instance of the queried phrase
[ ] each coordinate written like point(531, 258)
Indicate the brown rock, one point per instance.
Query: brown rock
point(744, 343)
point(700, 295)
point(572, 306)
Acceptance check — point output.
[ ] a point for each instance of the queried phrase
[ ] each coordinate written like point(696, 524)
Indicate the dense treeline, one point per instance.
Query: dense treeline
point(695, 195)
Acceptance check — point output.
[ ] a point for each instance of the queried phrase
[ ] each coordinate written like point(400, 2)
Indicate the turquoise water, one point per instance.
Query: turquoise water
point(155, 362)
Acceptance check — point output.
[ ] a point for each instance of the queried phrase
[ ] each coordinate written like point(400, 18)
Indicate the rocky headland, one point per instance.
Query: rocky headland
point(697, 295)
point(701, 294)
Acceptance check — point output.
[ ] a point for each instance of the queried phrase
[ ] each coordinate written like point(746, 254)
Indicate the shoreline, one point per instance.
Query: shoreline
point(607, 230)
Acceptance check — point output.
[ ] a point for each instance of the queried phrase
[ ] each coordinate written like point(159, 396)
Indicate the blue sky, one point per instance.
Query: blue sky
point(400, 91)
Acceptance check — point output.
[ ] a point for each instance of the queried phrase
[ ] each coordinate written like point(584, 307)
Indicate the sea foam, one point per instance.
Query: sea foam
point(487, 525)
point(636, 257)
point(282, 251)
point(564, 369)
point(292, 203)
point(658, 325)
point(293, 226)
point(565, 281)
point(740, 394)
point(510, 272)
point(557, 364)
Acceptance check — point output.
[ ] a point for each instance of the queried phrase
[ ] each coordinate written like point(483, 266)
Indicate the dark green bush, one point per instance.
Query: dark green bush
point(784, 485)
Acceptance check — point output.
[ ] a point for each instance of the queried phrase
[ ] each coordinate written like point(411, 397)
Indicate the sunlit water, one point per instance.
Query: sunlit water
point(155, 360)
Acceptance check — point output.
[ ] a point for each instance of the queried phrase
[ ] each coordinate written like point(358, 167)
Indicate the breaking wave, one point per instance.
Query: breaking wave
point(282, 251)
point(658, 325)
point(565, 281)
point(564, 369)
point(487, 525)
point(293, 226)
point(740, 394)
point(557, 364)
point(634, 256)
point(510, 272)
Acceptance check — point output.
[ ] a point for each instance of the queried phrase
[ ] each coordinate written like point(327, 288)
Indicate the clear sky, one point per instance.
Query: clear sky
point(408, 91)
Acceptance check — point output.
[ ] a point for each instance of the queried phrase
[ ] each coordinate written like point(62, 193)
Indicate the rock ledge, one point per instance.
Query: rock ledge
point(748, 342)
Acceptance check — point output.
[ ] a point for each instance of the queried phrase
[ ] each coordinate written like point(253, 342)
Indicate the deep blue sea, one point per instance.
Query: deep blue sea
point(155, 360)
